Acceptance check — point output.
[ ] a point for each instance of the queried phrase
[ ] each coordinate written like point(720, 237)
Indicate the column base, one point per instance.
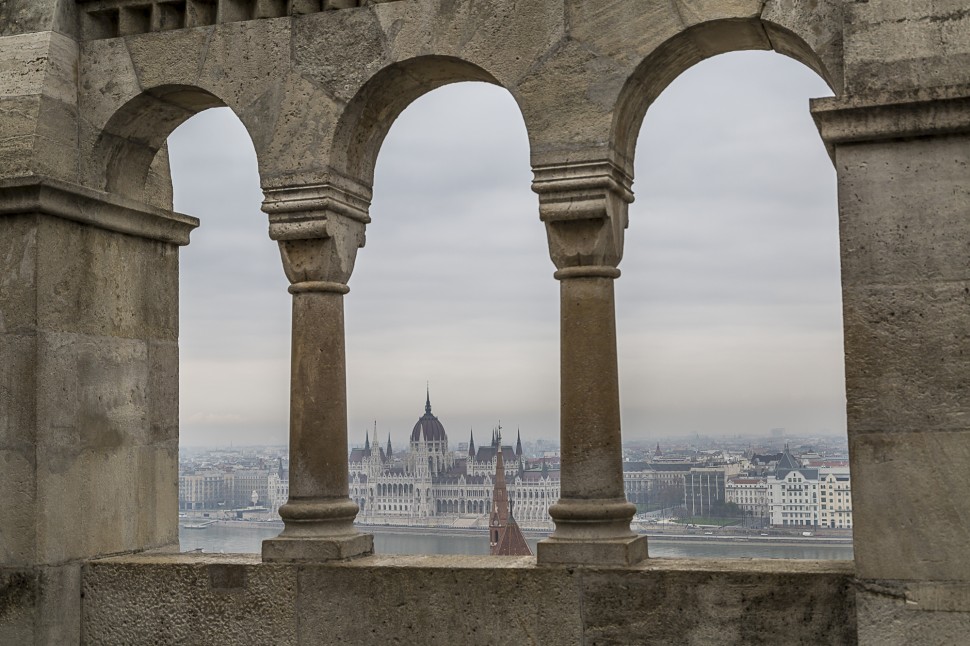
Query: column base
point(607, 552)
point(324, 548)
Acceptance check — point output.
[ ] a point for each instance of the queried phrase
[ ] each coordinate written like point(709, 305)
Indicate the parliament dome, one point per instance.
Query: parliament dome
point(428, 427)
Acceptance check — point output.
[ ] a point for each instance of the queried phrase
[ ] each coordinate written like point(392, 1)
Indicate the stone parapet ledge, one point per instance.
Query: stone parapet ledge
point(20, 196)
point(229, 599)
point(888, 116)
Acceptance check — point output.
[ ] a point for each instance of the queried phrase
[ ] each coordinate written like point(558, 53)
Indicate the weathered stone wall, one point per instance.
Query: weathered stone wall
point(319, 92)
point(31, 16)
point(913, 45)
point(88, 387)
point(38, 105)
point(899, 142)
point(180, 599)
point(88, 302)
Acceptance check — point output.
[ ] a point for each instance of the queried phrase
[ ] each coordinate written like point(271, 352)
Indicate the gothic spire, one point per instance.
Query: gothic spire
point(505, 537)
point(471, 443)
point(518, 443)
point(367, 442)
point(427, 401)
point(388, 453)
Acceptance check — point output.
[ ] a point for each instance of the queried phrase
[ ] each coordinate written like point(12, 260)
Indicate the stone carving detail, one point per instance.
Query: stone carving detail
point(585, 209)
point(113, 18)
point(319, 230)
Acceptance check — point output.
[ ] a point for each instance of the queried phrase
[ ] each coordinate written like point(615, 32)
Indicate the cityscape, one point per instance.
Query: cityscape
point(769, 487)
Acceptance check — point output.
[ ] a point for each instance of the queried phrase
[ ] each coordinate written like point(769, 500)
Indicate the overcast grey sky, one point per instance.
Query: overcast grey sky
point(729, 311)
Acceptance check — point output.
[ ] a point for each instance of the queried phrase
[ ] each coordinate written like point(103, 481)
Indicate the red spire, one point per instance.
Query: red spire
point(505, 538)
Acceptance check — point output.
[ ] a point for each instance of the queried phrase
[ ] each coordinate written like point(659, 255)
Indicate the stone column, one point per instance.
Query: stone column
point(903, 167)
point(584, 207)
point(319, 230)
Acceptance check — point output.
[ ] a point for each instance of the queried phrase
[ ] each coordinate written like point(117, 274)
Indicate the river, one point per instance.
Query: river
point(247, 539)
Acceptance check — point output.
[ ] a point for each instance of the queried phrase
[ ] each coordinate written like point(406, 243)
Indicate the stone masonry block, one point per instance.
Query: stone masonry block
point(918, 230)
point(358, 53)
point(107, 79)
point(155, 492)
point(24, 64)
point(18, 511)
point(704, 607)
point(163, 393)
point(59, 608)
point(243, 60)
point(903, 46)
point(644, 27)
point(19, 592)
point(693, 12)
point(18, 357)
point(26, 16)
point(179, 600)
point(55, 144)
point(909, 521)
point(161, 57)
point(523, 606)
point(19, 117)
point(118, 502)
point(129, 284)
point(40, 605)
point(18, 274)
point(897, 613)
point(93, 393)
point(907, 357)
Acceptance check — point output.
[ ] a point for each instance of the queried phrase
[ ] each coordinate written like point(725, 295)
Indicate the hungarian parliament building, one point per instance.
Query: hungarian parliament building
point(431, 485)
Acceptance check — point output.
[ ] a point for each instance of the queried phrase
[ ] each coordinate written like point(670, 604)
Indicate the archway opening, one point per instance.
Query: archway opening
point(729, 309)
point(453, 291)
point(234, 337)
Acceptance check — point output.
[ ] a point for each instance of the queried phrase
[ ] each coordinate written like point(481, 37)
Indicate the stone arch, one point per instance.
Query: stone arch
point(369, 116)
point(130, 140)
point(689, 47)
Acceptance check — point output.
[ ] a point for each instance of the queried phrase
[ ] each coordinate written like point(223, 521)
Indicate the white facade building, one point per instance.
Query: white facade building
point(809, 497)
point(835, 498)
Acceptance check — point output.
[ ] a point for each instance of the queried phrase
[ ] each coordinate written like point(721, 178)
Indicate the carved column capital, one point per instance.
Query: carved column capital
point(585, 208)
point(319, 229)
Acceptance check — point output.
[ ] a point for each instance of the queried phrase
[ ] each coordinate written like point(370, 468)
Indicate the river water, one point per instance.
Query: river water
point(247, 539)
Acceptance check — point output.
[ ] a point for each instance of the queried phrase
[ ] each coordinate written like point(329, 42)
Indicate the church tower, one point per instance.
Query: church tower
point(504, 536)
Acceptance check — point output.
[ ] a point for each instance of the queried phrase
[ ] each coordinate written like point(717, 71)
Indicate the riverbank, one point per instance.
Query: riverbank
point(671, 535)
point(247, 537)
